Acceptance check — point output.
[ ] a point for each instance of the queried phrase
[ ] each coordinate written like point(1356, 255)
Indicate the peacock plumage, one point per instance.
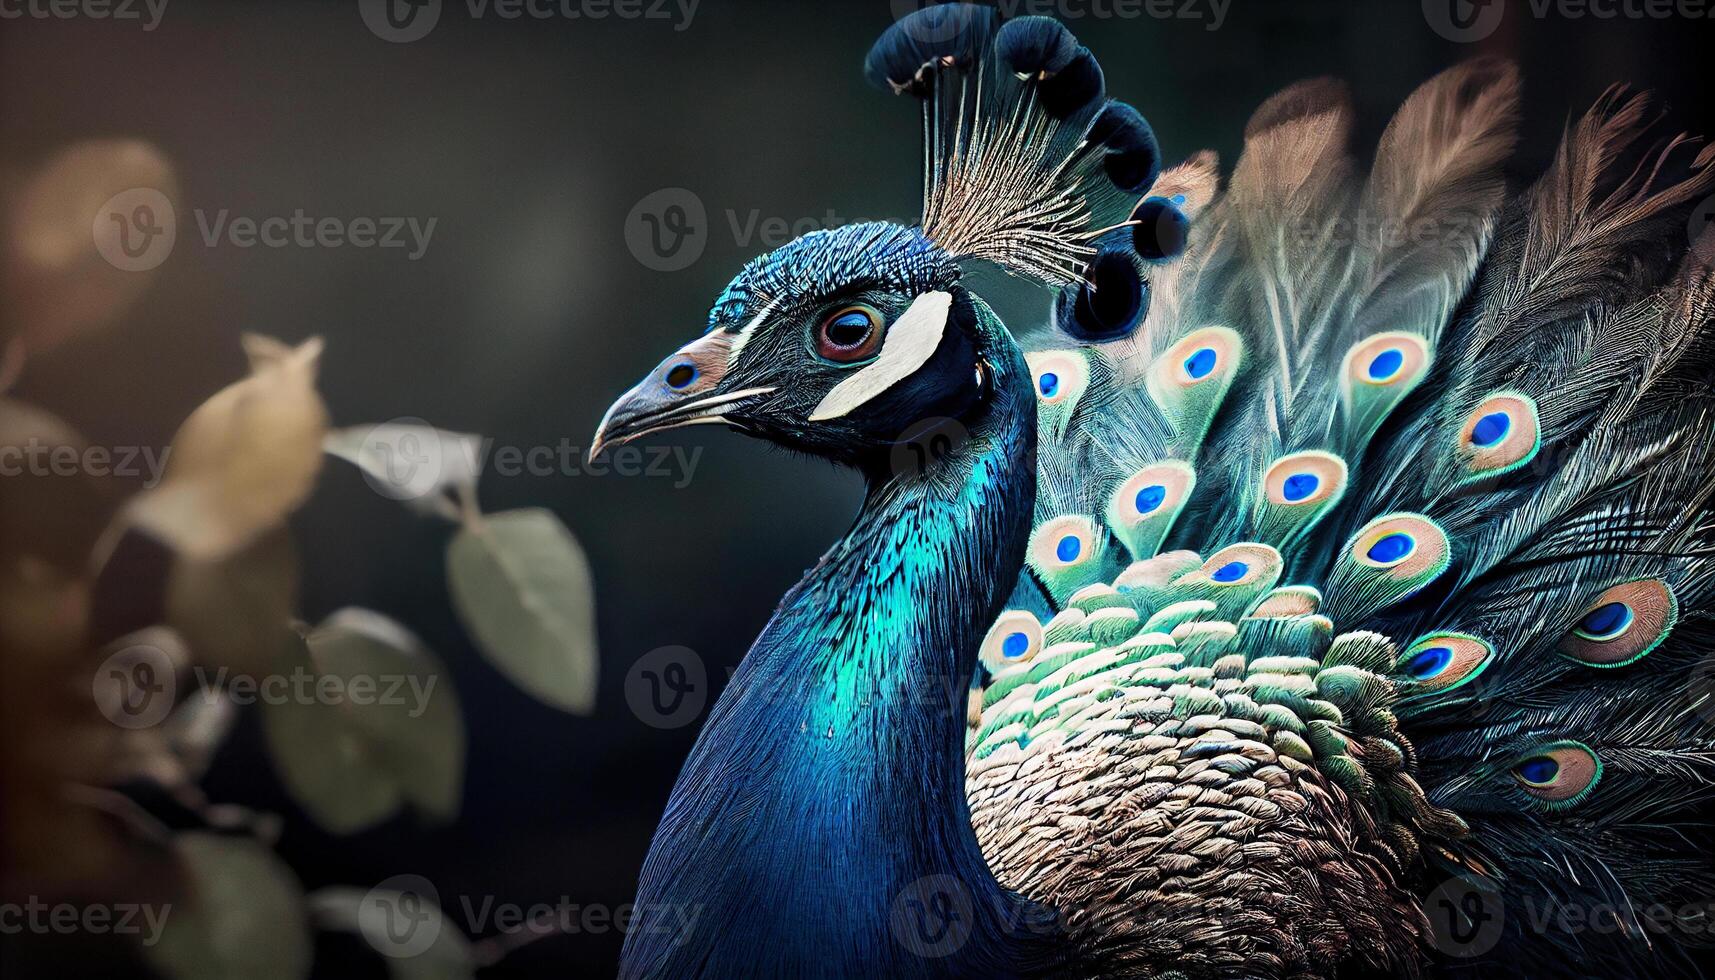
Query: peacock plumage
point(1321, 589)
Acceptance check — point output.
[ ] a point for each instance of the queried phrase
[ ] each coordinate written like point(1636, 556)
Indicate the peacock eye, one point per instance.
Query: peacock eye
point(851, 333)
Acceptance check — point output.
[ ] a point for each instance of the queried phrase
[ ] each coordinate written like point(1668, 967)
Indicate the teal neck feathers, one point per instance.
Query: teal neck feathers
point(828, 783)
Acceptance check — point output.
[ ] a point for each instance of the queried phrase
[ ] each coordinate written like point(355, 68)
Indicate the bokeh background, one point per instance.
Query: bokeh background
point(531, 143)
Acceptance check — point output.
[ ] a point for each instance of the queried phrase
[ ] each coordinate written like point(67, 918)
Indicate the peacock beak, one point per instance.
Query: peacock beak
point(680, 391)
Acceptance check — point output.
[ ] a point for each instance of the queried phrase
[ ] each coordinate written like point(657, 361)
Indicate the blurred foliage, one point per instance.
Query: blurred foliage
point(85, 751)
point(522, 586)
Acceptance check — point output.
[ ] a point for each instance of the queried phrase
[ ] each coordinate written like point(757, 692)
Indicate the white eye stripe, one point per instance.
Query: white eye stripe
point(910, 343)
point(743, 336)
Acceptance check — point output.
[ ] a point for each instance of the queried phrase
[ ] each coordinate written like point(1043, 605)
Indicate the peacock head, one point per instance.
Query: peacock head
point(834, 344)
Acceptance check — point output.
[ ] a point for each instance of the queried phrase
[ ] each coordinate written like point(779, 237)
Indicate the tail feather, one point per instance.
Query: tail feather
point(1429, 208)
point(1493, 442)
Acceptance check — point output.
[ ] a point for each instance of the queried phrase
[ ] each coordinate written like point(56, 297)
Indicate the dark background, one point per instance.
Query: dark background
point(531, 141)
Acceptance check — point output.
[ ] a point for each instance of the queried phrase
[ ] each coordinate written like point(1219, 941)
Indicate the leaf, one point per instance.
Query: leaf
point(521, 585)
point(197, 728)
point(244, 459)
point(446, 957)
point(136, 689)
point(323, 758)
point(369, 721)
point(234, 611)
point(244, 917)
point(63, 277)
point(175, 753)
point(411, 461)
point(413, 727)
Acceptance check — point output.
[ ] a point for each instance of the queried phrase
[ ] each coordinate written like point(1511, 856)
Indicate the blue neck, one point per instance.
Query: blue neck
point(829, 780)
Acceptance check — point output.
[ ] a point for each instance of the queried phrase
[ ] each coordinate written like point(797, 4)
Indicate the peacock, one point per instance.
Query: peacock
point(1321, 588)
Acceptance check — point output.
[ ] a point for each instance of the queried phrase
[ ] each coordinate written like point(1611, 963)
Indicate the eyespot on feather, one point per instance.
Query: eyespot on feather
point(1161, 231)
point(1244, 564)
point(1443, 661)
point(1073, 88)
point(1060, 376)
point(1500, 435)
point(1109, 304)
point(1305, 479)
point(1623, 624)
point(1035, 46)
point(1133, 159)
point(939, 36)
point(1063, 542)
point(1389, 559)
point(1406, 545)
point(1560, 774)
point(1142, 509)
point(1015, 638)
point(1391, 359)
point(1201, 357)
point(1154, 491)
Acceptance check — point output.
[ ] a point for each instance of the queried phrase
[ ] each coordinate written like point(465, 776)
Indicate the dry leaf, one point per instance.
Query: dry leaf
point(244, 460)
